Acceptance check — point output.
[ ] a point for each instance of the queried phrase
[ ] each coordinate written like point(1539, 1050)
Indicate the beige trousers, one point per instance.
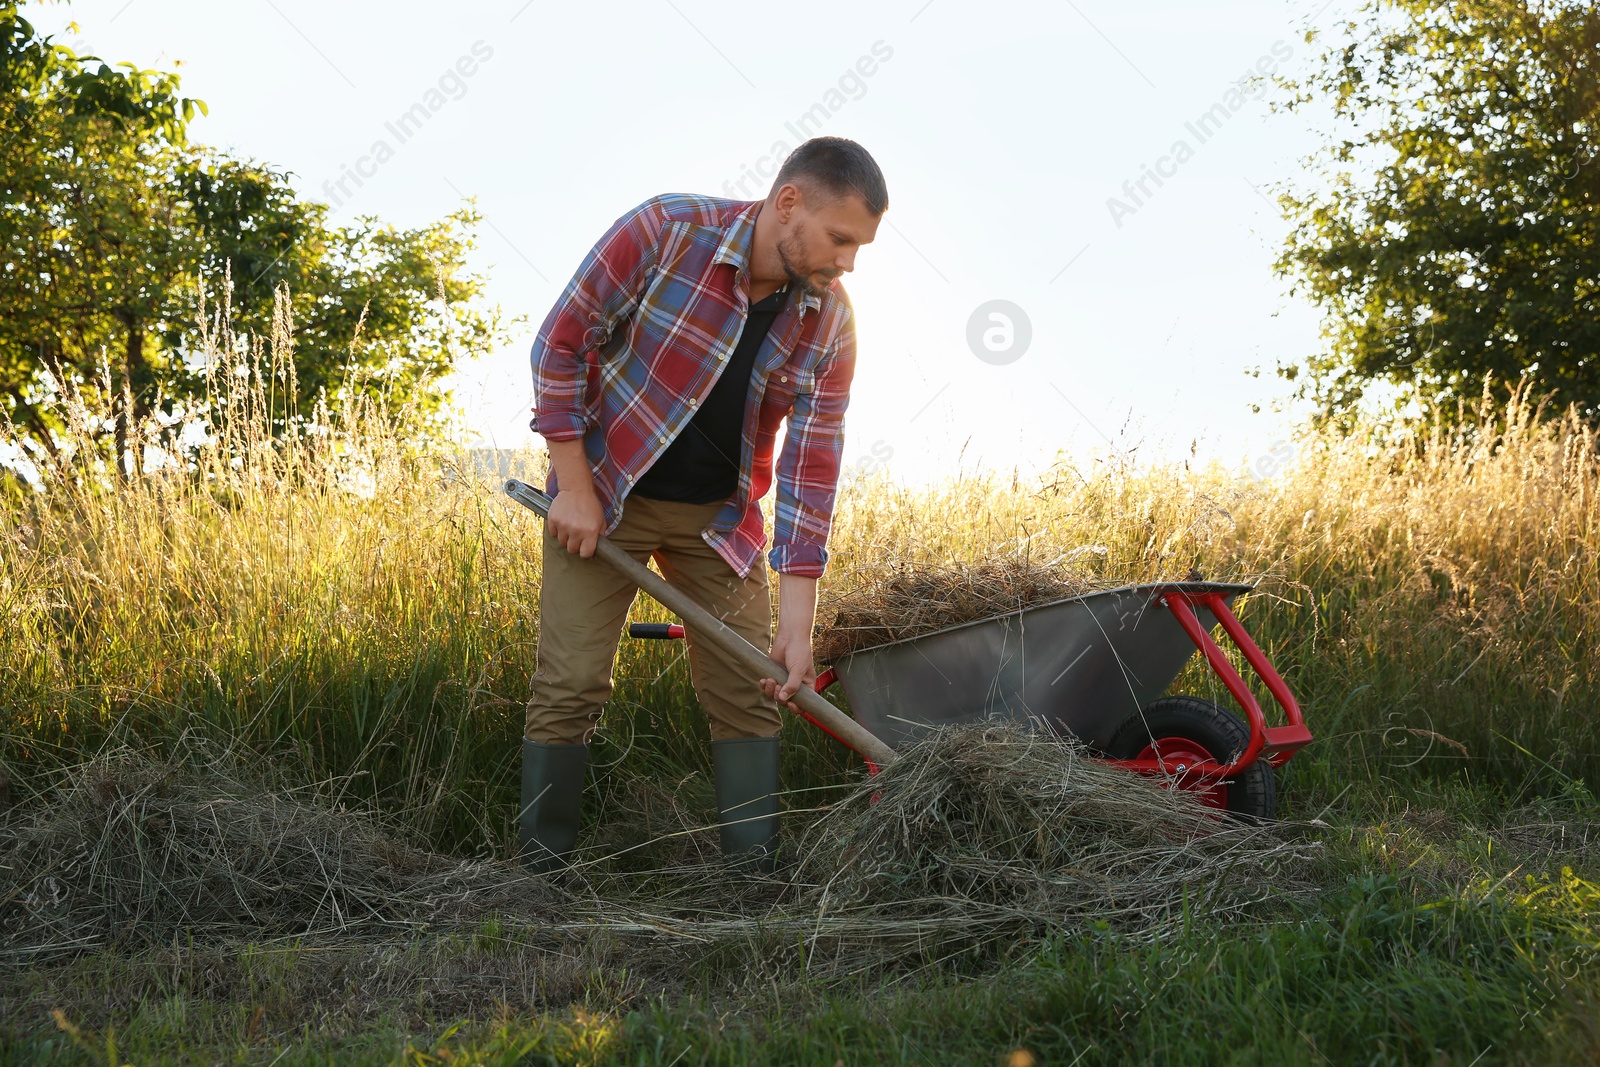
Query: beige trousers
point(583, 604)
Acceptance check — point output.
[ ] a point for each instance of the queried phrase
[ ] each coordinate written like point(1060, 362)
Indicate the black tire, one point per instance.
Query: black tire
point(1252, 794)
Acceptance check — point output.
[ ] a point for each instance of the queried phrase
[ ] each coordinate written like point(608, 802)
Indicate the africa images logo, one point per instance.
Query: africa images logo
point(999, 332)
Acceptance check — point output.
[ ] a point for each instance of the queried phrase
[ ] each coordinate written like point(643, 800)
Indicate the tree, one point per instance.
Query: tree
point(1454, 233)
point(365, 297)
point(113, 224)
point(91, 243)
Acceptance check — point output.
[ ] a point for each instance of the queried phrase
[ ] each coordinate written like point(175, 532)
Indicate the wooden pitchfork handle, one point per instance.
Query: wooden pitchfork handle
point(717, 632)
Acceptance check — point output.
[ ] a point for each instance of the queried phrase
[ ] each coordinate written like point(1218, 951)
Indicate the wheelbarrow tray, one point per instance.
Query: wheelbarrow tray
point(1082, 665)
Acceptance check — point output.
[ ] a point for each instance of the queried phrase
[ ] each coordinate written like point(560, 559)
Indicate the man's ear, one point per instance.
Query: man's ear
point(787, 201)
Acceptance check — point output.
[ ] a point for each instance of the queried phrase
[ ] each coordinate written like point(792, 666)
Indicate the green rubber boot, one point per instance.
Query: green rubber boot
point(746, 774)
point(552, 803)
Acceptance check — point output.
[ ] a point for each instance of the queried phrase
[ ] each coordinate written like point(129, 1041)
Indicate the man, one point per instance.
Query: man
point(661, 375)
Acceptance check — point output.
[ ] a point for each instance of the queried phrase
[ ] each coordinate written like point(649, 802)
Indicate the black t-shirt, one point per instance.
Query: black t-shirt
point(701, 465)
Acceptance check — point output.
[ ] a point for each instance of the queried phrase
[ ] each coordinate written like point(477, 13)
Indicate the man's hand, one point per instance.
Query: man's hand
point(791, 650)
point(576, 520)
point(791, 642)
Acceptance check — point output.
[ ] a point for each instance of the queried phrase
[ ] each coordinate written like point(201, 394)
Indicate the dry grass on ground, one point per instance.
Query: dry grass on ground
point(977, 834)
point(361, 612)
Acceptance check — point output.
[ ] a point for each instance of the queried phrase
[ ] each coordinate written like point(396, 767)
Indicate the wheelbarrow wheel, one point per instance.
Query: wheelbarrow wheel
point(1176, 727)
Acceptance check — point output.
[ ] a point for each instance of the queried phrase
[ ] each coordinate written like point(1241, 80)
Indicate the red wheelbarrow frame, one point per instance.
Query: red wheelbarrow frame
point(1275, 744)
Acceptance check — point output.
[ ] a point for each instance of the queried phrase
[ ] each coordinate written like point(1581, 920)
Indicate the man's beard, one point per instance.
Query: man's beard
point(799, 280)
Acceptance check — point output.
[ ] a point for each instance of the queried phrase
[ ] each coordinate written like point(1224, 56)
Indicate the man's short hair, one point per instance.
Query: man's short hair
point(838, 166)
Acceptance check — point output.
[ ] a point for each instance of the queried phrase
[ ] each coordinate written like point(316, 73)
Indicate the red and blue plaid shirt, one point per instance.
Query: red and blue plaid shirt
point(640, 335)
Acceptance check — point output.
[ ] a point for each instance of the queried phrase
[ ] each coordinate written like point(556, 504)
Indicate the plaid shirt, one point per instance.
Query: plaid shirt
point(638, 338)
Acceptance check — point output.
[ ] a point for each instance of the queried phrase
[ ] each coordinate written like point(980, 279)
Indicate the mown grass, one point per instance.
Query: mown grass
point(1374, 974)
point(346, 604)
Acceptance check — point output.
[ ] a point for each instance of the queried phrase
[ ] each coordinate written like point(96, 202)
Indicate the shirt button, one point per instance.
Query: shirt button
point(693, 402)
point(783, 377)
point(662, 438)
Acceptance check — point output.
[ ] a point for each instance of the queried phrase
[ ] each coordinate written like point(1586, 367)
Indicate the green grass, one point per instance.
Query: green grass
point(1373, 974)
point(1432, 596)
point(1457, 925)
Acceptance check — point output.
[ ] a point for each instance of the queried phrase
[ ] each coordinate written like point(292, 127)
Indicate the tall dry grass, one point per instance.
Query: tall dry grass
point(1430, 590)
point(331, 592)
point(346, 599)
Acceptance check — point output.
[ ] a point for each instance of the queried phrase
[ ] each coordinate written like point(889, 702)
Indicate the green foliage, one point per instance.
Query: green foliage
point(91, 239)
point(36, 74)
point(1451, 231)
point(115, 226)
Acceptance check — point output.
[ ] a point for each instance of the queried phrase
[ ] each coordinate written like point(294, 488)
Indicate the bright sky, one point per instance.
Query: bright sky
point(1003, 129)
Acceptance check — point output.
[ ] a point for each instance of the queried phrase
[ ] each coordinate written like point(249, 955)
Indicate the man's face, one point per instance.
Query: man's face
point(819, 241)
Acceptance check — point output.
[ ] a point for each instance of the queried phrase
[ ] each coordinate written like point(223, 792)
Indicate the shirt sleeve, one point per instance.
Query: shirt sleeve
point(808, 468)
point(604, 291)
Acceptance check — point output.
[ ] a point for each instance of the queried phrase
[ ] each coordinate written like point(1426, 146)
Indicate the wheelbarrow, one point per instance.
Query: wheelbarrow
point(1094, 667)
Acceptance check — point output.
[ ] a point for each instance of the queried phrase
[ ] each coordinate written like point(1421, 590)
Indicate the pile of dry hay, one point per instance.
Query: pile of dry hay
point(900, 600)
point(978, 834)
point(992, 829)
point(134, 850)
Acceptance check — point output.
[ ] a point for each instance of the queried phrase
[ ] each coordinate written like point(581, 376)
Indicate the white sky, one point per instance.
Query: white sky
point(1002, 128)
